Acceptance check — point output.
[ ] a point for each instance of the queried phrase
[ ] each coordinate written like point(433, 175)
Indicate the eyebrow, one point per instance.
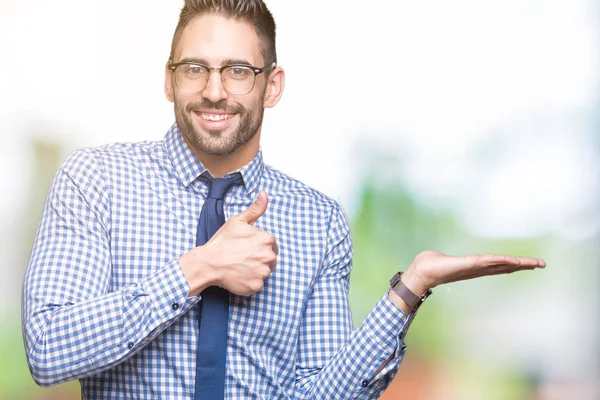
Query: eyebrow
point(197, 60)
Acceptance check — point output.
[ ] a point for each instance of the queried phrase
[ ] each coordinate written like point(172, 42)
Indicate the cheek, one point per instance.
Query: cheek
point(255, 104)
point(181, 102)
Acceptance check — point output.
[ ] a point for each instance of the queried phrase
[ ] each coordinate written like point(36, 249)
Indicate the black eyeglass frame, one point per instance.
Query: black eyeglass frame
point(256, 70)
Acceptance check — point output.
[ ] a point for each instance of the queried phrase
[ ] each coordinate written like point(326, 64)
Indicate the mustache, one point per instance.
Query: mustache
point(220, 105)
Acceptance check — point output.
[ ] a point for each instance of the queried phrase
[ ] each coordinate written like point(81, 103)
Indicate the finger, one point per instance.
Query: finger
point(256, 285)
point(273, 266)
point(494, 272)
point(523, 262)
point(532, 261)
point(496, 259)
point(508, 269)
point(490, 270)
point(256, 209)
point(271, 258)
point(265, 273)
point(267, 257)
point(499, 259)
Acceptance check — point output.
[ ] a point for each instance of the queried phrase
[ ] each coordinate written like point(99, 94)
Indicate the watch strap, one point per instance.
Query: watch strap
point(413, 300)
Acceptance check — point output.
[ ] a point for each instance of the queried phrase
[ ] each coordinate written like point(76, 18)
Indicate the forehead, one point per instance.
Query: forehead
point(215, 39)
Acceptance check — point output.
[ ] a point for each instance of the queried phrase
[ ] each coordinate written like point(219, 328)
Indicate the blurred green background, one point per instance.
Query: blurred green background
point(475, 130)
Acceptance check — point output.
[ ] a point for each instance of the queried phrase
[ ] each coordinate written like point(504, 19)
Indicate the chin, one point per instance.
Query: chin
point(217, 144)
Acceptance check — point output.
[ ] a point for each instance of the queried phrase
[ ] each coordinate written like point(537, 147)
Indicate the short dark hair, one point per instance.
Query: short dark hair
point(254, 12)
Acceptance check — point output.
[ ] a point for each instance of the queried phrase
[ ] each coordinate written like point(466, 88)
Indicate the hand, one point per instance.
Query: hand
point(238, 257)
point(431, 268)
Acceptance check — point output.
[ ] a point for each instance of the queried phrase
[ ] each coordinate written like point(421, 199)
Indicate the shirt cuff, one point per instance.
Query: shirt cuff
point(168, 290)
point(388, 324)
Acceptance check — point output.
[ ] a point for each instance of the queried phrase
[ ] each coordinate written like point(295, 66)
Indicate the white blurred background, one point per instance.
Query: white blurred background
point(488, 110)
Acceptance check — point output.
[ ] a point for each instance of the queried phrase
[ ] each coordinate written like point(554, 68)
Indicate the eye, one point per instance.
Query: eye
point(194, 71)
point(238, 72)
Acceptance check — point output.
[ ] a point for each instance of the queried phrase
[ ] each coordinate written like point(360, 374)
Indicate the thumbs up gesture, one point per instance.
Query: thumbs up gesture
point(239, 256)
point(255, 211)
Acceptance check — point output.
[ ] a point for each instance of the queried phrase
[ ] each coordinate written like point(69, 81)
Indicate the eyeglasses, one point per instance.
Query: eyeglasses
point(237, 79)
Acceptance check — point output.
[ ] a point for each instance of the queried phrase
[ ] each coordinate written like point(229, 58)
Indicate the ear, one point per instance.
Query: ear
point(275, 87)
point(169, 84)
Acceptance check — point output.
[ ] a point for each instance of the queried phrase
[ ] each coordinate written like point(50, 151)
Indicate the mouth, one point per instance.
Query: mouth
point(214, 120)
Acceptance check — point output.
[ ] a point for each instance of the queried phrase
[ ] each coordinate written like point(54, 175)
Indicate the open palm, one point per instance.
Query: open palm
point(431, 268)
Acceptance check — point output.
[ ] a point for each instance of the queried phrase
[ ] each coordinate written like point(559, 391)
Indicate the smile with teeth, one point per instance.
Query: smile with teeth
point(215, 117)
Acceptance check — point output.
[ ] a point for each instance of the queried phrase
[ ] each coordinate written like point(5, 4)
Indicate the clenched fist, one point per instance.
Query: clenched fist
point(239, 256)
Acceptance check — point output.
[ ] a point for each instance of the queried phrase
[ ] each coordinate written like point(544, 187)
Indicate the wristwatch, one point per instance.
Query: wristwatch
point(414, 301)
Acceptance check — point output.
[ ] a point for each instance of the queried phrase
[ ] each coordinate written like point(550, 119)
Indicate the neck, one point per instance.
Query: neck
point(219, 166)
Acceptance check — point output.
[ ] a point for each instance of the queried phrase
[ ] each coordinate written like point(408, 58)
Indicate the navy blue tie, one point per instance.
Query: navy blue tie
point(212, 341)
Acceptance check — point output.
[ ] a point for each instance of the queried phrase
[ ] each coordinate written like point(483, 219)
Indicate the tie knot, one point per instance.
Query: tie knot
point(218, 187)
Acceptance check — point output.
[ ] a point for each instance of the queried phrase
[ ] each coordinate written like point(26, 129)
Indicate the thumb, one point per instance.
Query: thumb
point(256, 209)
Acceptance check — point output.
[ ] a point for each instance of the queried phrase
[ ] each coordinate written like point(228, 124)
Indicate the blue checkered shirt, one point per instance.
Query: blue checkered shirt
point(105, 300)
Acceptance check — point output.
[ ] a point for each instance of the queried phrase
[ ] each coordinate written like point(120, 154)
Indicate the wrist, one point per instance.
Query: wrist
point(414, 282)
point(398, 302)
point(198, 272)
point(403, 295)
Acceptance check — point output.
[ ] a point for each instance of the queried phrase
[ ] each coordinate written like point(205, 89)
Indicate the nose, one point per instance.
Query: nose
point(214, 90)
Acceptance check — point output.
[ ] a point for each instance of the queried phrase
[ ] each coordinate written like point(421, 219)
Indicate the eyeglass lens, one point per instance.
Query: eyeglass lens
point(191, 78)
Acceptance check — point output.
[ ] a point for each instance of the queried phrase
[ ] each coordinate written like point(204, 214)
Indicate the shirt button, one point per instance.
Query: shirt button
point(364, 383)
point(130, 345)
point(175, 306)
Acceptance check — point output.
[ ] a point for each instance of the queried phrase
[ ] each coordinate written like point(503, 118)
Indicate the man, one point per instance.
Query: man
point(131, 269)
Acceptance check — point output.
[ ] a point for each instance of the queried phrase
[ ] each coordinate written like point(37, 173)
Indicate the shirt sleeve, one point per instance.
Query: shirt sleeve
point(74, 324)
point(333, 359)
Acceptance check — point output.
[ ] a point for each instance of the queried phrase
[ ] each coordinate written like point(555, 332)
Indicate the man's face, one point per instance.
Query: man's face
point(213, 121)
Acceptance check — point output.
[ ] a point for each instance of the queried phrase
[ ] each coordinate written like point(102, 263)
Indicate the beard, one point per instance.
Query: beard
point(216, 142)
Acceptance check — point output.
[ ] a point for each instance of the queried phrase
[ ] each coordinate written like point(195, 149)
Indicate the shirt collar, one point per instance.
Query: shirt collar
point(188, 168)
